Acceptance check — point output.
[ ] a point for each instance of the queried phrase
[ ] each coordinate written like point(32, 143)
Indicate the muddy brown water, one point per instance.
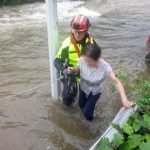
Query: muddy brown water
point(33, 121)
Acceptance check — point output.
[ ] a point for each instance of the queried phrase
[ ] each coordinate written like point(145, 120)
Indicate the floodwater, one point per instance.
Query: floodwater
point(33, 121)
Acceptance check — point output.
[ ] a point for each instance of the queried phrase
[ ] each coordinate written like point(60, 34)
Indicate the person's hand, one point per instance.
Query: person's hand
point(70, 70)
point(127, 103)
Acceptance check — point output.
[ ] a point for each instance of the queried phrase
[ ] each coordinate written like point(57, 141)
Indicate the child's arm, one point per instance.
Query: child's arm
point(120, 88)
point(73, 70)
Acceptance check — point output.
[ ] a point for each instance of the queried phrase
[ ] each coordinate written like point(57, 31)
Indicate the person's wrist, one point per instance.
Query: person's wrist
point(124, 100)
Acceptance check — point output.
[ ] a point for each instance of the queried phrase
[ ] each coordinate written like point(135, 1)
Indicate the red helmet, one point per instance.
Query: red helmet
point(80, 23)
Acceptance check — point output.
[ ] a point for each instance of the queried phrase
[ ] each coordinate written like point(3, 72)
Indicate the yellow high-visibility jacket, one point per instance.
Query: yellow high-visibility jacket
point(67, 54)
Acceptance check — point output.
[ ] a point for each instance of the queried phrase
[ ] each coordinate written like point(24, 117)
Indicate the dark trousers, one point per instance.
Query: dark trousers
point(87, 103)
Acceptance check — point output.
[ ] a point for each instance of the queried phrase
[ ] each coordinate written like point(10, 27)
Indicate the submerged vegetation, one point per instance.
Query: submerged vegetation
point(135, 134)
point(10, 2)
point(17, 2)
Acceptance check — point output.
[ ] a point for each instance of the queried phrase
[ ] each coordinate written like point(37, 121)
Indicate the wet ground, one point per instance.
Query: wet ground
point(33, 121)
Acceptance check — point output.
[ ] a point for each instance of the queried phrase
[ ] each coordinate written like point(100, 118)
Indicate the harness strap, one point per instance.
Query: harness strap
point(75, 43)
point(90, 39)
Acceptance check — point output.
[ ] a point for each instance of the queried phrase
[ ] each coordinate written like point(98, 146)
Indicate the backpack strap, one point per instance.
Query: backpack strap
point(75, 45)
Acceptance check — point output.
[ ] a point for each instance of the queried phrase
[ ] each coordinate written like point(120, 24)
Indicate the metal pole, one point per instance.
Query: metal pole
point(52, 26)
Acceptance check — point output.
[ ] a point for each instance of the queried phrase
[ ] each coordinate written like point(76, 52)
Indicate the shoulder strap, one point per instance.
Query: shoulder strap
point(90, 39)
point(75, 44)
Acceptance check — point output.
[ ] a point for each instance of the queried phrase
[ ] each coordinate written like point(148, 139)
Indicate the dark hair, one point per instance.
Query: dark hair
point(92, 50)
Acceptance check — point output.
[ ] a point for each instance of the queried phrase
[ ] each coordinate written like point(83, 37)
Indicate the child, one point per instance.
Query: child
point(93, 71)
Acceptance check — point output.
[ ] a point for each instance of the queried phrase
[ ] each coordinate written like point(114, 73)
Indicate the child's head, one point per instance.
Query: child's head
point(92, 54)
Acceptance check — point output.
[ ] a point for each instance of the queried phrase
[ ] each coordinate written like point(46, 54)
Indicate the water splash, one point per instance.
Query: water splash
point(29, 13)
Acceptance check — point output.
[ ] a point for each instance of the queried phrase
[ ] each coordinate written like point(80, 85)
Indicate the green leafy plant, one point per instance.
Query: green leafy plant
point(135, 134)
point(122, 75)
point(145, 146)
point(118, 140)
point(104, 144)
point(128, 129)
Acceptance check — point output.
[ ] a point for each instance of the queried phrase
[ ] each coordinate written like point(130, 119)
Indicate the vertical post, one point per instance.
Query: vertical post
point(52, 27)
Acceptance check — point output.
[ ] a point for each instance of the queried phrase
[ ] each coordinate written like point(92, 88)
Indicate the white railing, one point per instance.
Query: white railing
point(121, 117)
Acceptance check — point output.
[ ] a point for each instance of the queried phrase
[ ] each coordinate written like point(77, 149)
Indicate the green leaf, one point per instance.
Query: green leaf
point(128, 129)
point(104, 144)
point(134, 140)
point(141, 122)
point(118, 139)
point(145, 146)
point(125, 146)
point(117, 127)
point(147, 120)
point(147, 137)
point(106, 148)
point(136, 126)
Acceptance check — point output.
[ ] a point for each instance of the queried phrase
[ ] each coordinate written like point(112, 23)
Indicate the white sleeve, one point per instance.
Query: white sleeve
point(109, 69)
point(79, 63)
